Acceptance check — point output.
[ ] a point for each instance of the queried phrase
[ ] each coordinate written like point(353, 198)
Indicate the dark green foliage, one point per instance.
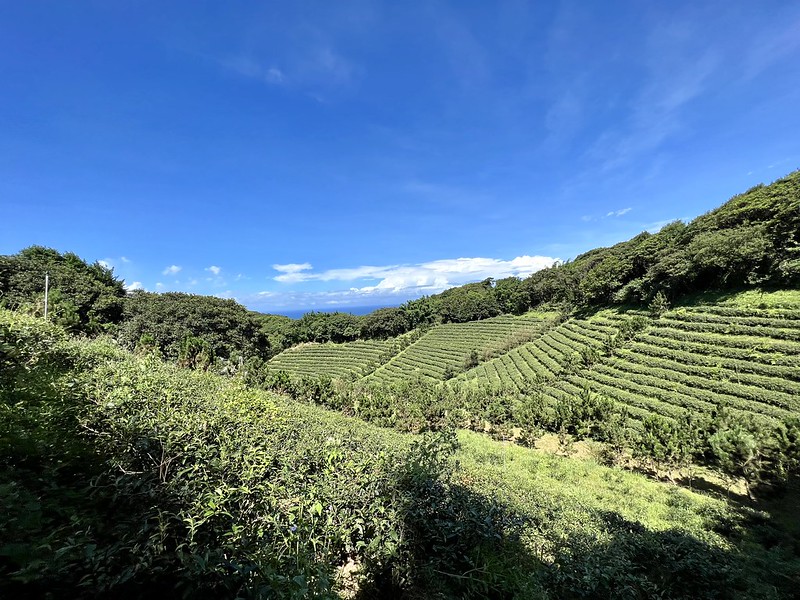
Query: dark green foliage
point(83, 297)
point(753, 239)
point(420, 312)
point(470, 302)
point(659, 304)
point(459, 541)
point(584, 416)
point(630, 561)
point(121, 475)
point(277, 329)
point(173, 319)
point(558, 285)
point(195, 353)
point(471, 360)
point(665, 443)
point(449, 372)
point(384, 323)
point(325, 327)
point(511, 295)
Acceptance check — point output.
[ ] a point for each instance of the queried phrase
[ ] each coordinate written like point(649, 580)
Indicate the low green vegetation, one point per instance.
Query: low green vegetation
point(350, 359)
point(122, 474)
point(452, 347)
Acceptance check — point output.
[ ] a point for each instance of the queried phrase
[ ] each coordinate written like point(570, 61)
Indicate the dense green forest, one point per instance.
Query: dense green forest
point(545, 437)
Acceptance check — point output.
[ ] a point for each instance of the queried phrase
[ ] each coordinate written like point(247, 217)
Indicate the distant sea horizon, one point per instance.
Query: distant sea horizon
point(353, 310)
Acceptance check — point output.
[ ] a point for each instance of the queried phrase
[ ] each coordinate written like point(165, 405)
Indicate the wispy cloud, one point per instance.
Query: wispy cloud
point(656, 226)
point(679, 69)
point(610, 214)
point(618, 213)
point(316, 66)
point(214, 269)
point(251, 68)
point(326, 65)
point(171, 270)
point(772, 47)
point(113, 263)
point(136, 285)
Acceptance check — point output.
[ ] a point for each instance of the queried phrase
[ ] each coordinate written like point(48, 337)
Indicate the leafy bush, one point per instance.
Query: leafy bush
point(172, 320)
point(84, 297)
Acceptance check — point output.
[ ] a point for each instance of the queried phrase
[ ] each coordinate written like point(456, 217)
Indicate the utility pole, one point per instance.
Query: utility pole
point(46, 290)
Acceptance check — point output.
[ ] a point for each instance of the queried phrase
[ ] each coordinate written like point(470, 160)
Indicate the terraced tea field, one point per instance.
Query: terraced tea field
point(335, 360)
point(743, 353)
point(695, 358)
point(698, 358)
point(450, 345)
point(545, 358)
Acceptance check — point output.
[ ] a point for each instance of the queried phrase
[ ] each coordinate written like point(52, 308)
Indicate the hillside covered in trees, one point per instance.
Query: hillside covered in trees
point(753, 240)
point(629, 416)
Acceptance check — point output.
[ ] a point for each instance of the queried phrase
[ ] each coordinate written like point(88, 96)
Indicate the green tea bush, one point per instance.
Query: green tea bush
point(129, 475)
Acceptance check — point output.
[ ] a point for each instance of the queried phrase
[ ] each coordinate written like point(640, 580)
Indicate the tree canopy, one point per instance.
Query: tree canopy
point(169, 320)
point(83, 297)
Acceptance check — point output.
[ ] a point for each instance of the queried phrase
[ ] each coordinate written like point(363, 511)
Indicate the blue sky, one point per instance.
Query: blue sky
point(328, 154)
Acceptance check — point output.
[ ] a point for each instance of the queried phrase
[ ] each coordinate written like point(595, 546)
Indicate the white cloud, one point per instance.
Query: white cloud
point(214, 269)
point(619, 213)
point(292, 267)
point(159, 286)
point(113, 263)
point(171, 270)
point(136, 285)
point(428, 277)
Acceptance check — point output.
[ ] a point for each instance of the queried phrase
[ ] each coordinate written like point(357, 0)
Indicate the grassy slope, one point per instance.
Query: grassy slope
point(543, 358)
point(607, 508)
